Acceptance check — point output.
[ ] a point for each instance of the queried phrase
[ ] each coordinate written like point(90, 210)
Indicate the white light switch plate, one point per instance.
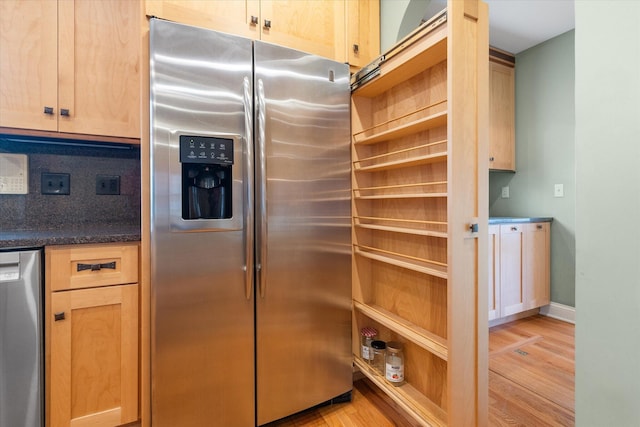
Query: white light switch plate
point(14, 174)
point(558, 190)
point(505, 192)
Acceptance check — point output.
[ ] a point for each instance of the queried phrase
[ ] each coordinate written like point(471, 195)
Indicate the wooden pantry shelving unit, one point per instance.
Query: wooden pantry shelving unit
point(419, 175)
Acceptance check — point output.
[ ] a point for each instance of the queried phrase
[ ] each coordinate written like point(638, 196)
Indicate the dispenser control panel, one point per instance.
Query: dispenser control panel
point(206, 149)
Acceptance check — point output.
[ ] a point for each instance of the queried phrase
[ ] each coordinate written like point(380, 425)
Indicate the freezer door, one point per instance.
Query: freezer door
point(202, 325)
point(303, 295)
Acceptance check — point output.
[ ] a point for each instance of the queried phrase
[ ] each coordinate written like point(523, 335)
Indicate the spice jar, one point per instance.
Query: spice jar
point(394, 366)
point(366, 336)
point(377, 355)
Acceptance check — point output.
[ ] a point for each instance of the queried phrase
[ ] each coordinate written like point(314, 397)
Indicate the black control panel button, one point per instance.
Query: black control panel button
point(206, 149)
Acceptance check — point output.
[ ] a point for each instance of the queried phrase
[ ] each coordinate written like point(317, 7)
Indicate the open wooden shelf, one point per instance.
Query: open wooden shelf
point(432, 268)
point(404, 230)
point(406, 396)
point(425, 123)
point(404, 163)
point(420, 336)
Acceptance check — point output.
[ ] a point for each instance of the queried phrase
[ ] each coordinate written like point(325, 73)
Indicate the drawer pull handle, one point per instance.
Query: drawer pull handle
point(97, 267)
point(514, 228)
point(539, 227)
point(58, 316)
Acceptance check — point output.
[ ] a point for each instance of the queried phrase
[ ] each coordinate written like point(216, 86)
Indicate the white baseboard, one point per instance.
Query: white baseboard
point(560, 312)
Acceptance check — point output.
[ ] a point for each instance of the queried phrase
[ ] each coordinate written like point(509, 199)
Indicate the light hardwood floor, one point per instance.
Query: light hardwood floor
point(531, 383)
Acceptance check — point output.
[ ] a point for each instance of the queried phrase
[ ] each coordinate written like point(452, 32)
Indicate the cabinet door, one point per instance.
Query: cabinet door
point(501, 117)
point(316, 27)
point(511, 293)
point(363, 32)
point(535, 265)
point(229, 16)
point(99, 67)
point(494, 272)
point(94, 357)
point(28, 57)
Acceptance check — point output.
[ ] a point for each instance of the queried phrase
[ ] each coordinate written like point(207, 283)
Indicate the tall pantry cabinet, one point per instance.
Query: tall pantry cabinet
point(419, 176)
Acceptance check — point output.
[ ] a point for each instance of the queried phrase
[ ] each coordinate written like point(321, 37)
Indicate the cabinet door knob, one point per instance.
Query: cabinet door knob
point(48, 110)
point(254, 20)
point(514, 228)
point(64, 112)
point(267, 23)
point(58, 316)
point(491, 159)
point(356, 49)
point(539, 226)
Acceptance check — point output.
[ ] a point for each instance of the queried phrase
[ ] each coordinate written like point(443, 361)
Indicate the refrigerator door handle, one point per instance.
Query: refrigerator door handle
point(262, 203)
point(248, 190)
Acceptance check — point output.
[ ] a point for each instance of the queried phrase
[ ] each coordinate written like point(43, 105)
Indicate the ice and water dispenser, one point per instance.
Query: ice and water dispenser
point(207, 177)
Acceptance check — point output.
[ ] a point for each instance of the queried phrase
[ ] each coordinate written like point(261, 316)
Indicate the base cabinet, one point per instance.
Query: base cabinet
point(92, 336)
point(519, 268)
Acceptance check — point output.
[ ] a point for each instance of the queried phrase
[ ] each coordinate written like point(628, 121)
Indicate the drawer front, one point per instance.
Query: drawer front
point(88, 266)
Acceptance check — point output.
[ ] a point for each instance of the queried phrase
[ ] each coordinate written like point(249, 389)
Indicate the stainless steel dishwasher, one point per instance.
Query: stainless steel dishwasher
point(21, 343)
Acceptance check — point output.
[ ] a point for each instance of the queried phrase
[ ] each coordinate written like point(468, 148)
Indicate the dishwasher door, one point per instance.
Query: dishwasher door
point(21, 358)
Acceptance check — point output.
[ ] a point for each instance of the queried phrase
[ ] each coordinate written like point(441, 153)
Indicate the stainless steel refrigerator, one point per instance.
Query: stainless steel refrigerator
point(250, 229)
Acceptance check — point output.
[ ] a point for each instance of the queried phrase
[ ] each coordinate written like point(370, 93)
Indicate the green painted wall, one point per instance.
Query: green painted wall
point(607, 52)
point(544, 154)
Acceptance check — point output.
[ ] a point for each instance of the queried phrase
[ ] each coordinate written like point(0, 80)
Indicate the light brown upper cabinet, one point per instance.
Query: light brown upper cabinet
point(502, 149)
point(70, 66)
point(316, 27)
point(363, 32)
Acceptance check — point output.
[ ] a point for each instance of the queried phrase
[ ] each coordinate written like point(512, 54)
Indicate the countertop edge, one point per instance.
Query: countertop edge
point(518, 220)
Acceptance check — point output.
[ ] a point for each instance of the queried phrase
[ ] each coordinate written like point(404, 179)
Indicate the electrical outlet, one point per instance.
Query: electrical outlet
point(55, 183)
point(108, 184)
point(505, 192)
point(558, 190)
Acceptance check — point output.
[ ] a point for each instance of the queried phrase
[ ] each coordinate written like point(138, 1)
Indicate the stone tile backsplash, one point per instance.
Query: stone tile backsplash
point(83, 162)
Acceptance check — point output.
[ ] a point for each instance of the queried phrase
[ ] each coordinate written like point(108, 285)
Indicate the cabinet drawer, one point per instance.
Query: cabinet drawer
point(87, 266)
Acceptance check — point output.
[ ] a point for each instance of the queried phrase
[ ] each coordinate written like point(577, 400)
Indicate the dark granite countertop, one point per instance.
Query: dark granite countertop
point(65, 235)
point(517, 220)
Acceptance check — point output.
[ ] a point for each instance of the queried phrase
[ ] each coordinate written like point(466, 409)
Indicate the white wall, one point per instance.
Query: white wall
point(607, 213)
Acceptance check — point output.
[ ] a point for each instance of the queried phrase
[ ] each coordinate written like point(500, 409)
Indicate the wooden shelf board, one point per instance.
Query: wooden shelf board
point(428, 340)
point(421, 55)
point(404, 163)
point(425, 123)
point(404, 150)
point(431, 270)
point(402, 196)
point(403, 230)
point(425, 411)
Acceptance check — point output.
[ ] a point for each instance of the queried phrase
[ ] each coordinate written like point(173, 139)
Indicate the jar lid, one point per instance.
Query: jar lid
point(394, 346)
point(369, 332)
point(378, 345)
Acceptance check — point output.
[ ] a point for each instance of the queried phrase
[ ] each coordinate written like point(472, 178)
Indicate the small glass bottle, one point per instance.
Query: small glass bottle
point(394, 366)
point(366, 336)
point(378, 352)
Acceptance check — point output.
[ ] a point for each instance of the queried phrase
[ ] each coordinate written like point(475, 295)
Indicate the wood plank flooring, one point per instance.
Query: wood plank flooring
point(531, 383)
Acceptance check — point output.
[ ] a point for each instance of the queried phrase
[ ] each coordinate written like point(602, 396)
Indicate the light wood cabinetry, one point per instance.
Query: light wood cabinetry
point(70, 66)
point(502, 149)
point(417, 147)
point(316, 27)
point(91, 334)
point(520, 255)
point(363, 32)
